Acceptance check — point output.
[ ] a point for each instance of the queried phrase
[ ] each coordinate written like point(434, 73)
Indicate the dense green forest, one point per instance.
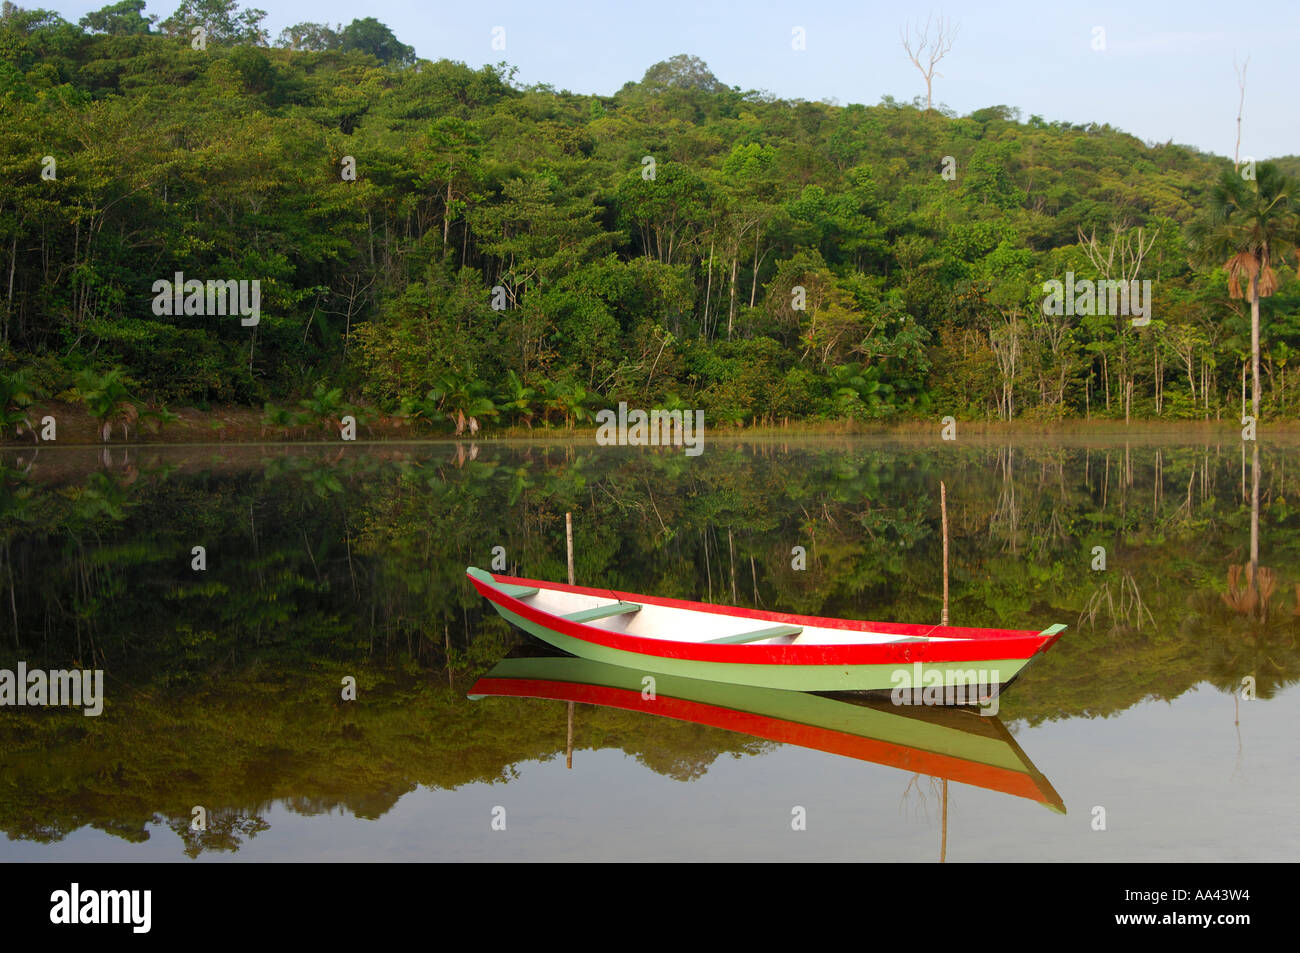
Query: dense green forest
point(441, 243)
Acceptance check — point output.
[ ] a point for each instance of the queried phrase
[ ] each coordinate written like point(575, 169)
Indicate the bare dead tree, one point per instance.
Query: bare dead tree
point(1006, 341)
point(1241, 85)
point(1057, 334)
point(1120, 260)
point(931, 51)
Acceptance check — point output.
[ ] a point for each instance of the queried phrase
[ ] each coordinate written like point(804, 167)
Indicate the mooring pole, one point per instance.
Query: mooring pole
point(568, 535)
point(568, 743)
point(568, 532)
point(943, 508)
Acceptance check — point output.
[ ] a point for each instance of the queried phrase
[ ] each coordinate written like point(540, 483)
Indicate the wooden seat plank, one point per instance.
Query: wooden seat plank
point(757, 636)
point(602, 612)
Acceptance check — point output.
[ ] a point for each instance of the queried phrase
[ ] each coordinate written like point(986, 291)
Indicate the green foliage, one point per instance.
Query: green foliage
point(372, 37)
point(222, 19)
point(517, 400)
point(125, 18)
point(681, 72)
point(637, 245)
point(325, 405)
point(1250, 228)
point(18, 391)
point(310, 37)
point(108, 399)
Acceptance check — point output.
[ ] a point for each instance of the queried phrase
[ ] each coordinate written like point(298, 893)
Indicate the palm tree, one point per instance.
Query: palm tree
point(1250, 226)
point(858, 391)
point(107, 399)
point(325, 405)
point(423, 408)
point(463, 401)
point(518, 399)
point(480, 405)
point(575, 402)
point(18, 391)
point(552, 397)
point(280, 417)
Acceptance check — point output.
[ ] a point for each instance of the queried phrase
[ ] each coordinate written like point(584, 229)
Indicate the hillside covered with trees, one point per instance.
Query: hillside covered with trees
point(439, 242)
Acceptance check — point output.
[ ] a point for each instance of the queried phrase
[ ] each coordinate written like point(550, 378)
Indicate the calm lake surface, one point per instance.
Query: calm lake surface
point(224, 685)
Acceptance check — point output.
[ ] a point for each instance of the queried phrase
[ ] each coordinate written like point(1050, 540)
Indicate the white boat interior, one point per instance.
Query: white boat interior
point(689, 625)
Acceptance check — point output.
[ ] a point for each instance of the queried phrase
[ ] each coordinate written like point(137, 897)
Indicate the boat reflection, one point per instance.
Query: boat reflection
point(948, 743)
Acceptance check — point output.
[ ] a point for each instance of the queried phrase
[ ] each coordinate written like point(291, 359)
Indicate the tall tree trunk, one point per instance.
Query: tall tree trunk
point(1254, 347)
point(13, 256)
point(708, 290)
point(1105, 376)
point(446, 219)
point(731, 307)
point(1155, 359)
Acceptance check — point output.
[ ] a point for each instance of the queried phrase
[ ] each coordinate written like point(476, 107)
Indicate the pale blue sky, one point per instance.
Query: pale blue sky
point(1166, 72)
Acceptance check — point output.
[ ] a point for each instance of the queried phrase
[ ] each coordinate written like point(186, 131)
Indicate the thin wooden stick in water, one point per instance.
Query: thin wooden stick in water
point(568, 744)
point(568, 532)
point(943, 508)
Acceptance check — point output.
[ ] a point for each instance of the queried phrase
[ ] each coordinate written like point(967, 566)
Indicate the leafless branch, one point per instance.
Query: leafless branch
point(931, 51)
point(1121, 260)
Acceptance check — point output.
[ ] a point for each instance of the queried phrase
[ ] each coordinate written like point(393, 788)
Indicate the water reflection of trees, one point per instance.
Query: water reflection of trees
point(342, 550)
point(355, 558)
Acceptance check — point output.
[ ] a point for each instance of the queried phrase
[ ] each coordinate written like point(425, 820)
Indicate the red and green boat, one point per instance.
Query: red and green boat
point(953, 743)
point(931, 663)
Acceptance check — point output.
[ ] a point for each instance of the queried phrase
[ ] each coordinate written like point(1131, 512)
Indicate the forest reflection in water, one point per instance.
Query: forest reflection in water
point(322, 563)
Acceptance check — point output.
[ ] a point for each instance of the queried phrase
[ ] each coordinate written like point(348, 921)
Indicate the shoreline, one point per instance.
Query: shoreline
point(242, 426)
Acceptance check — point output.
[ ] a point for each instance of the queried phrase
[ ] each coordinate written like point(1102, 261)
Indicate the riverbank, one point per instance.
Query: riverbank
point(75, 426)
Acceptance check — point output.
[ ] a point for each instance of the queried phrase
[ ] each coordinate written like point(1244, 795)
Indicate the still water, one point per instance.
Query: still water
point(1161, 726)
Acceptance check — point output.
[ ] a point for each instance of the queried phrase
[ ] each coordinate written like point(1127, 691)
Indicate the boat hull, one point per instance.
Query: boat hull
point(912, 673)
point(942, 678)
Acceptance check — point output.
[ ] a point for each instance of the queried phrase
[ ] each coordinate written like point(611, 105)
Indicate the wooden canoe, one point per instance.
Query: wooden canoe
point(951, 743)
point(930, 664)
